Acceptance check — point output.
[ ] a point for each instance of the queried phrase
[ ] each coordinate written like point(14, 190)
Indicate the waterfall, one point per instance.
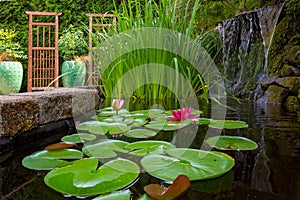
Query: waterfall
point(246, 42)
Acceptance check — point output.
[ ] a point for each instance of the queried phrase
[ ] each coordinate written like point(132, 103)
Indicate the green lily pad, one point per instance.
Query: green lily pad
point(203, 121)
point(120, 195)
point(49, 159)
point(106, 113)
point(119, 119)
point(149, 112)
point(139, 122)
point(231, 143)
point(110, 112)
point(94, 127)
point(196, 164)
point(140, 133)
point(118, 129)
point(145, 197)
point(102, 128)
point(104, 148)
point(143, 148)
point(168, 125)
point(228, 124)
point(84, 178)
point(78, 137)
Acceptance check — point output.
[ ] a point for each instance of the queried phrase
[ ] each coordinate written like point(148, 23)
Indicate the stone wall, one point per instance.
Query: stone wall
point(282, 87)
point(25, 111)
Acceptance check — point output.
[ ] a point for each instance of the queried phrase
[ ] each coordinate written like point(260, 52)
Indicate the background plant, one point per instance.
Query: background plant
point(13, 16)
point(9, 49)
point(72, 43)
point(163, 14)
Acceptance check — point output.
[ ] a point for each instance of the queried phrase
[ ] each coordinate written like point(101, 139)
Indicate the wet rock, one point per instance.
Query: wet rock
point(286, 70)
point(294, 56)
point(266, 82)
point(275, 95)
point(285, 38)
point(292, 104)
point(292, 83)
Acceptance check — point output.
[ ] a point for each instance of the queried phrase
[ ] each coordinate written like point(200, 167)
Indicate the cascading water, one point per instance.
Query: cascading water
point(246, 42)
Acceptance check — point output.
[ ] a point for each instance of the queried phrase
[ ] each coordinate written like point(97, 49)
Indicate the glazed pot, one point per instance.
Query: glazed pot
point(11, 76)
point(73, 73)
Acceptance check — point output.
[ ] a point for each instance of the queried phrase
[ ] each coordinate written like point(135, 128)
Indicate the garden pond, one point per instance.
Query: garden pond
point(267, 171)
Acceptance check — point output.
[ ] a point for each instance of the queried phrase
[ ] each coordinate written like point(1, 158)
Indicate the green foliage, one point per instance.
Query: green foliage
point(72, 43)
point(164, 15)
point(10, 50)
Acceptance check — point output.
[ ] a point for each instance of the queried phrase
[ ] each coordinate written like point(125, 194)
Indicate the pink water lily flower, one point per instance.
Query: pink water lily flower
point(182, 114)
point(117, 104)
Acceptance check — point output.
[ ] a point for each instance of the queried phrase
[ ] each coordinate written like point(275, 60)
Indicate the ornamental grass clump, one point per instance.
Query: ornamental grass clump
point(155, 81)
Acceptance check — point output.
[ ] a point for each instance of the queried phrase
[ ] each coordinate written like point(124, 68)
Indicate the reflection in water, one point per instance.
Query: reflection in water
point(270, 172)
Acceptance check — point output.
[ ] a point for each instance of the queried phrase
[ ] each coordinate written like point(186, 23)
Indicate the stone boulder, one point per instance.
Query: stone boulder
point(24, 111)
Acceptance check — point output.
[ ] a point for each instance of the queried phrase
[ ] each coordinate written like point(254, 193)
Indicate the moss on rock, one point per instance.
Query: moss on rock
point(284, 37)
point(292, 104)
point(276, 95)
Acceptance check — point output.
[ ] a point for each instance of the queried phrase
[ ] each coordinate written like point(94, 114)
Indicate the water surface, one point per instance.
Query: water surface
point(269, 172)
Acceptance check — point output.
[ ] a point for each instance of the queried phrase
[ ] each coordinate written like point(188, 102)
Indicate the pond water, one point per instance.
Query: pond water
point(269, 172)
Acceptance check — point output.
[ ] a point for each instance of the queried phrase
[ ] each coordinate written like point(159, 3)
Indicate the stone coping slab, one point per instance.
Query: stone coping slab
point(24, 111)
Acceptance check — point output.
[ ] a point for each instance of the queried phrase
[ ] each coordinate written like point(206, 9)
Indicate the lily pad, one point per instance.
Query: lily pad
point(231, 143)
point(119, 119)
point(145, 197)
point(196, 164)
point(49, 159)
point(147, 113)
point(104, 148)
point(95, 127)
point(110, 112)
point(84, 178)
point(140, 133)
point(228, 124)
point(203, 121)
point(143, 148)
point(168, 125)
point(159, 192)
point(120, 195)
point(139, 122)
point(60, 145)
point(118, 129)
point(78, 137)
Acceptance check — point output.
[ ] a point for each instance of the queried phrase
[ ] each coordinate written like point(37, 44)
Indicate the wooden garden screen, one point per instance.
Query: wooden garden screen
point(97, 24)
point(43, 57)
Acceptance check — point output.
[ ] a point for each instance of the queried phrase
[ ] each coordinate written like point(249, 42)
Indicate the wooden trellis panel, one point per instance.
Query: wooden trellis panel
point(43, 57)
point(97, 24)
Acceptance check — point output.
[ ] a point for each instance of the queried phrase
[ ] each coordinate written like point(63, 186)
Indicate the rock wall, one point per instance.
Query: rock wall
point(282, 87)
point(246, 40)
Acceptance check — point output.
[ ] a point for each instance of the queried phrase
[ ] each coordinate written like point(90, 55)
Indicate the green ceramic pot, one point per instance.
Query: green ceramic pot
point(73, 73)
point(11, 75)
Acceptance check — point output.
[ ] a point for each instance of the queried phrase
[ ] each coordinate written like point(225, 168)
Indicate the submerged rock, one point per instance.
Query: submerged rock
point(292, 104)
